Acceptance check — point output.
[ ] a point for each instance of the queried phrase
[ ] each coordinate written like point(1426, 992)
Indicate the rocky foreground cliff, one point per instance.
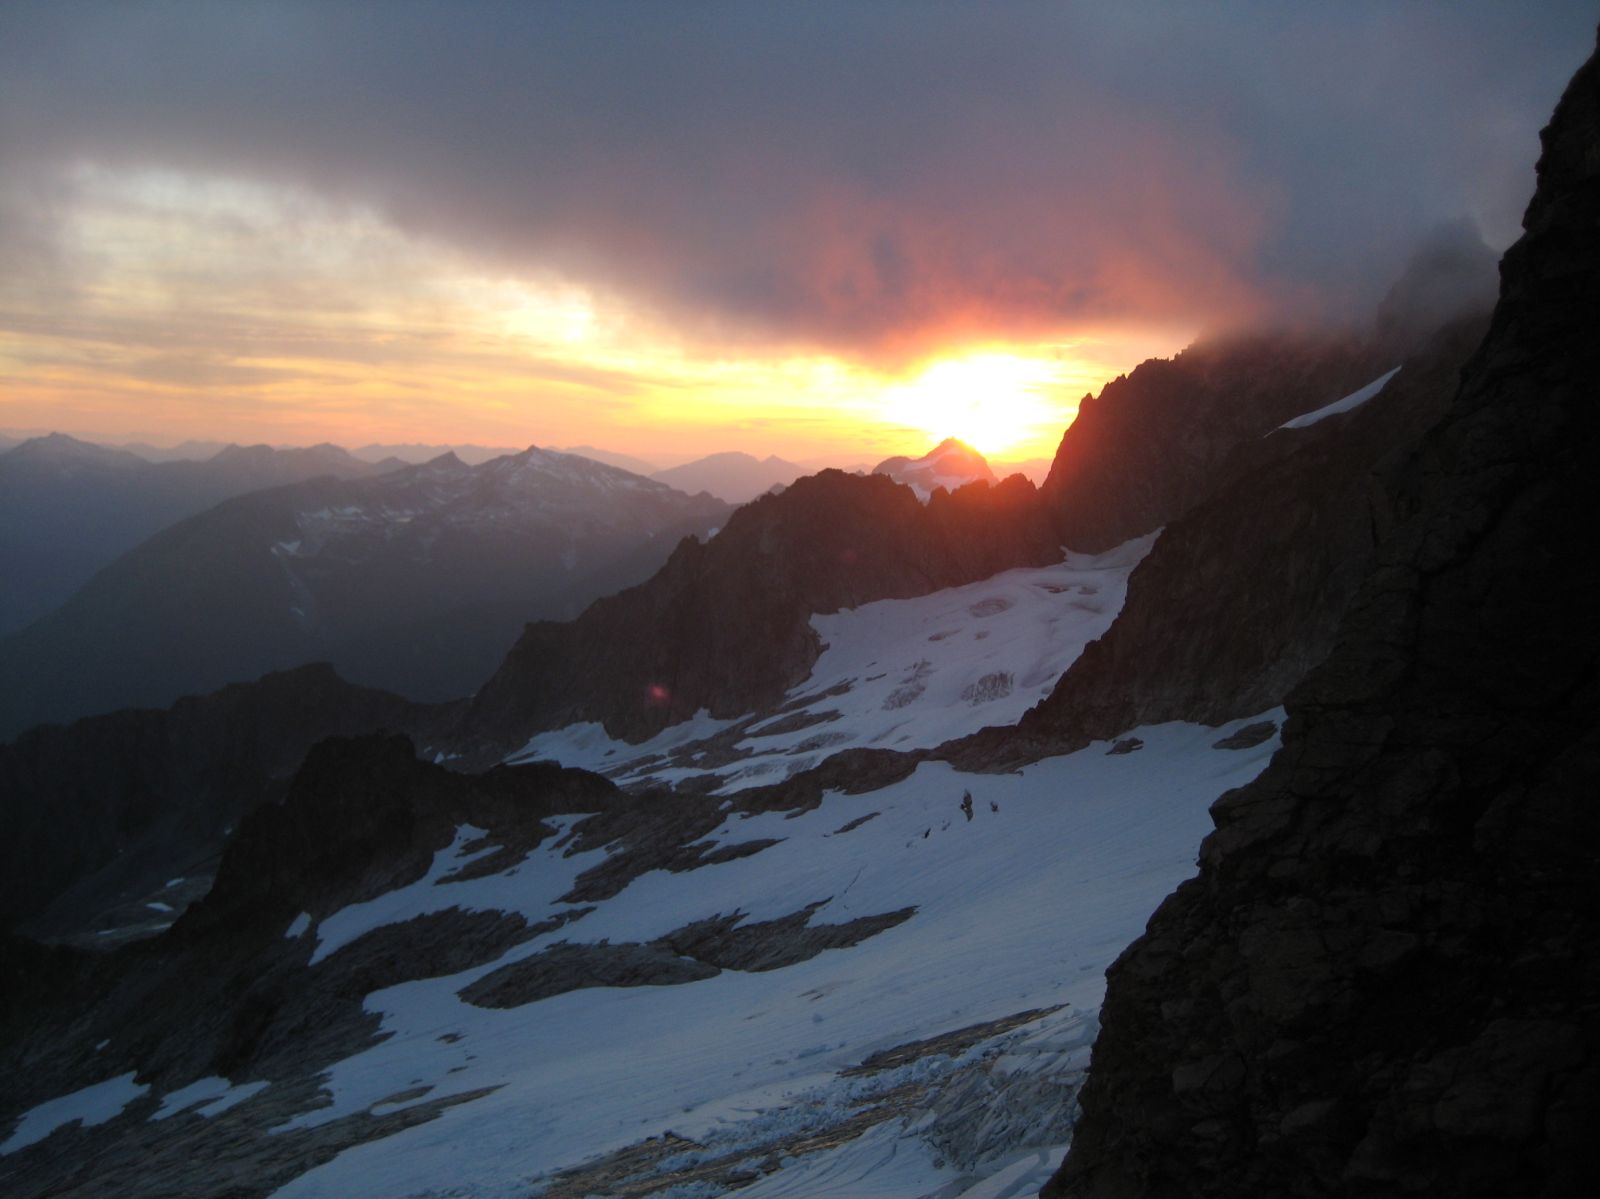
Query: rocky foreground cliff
point(1383, 980)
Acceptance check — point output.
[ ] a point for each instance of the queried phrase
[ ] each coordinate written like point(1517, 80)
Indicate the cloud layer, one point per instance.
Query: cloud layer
point(867, 180)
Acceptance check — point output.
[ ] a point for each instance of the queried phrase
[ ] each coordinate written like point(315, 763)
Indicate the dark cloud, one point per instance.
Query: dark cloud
point(864, 177)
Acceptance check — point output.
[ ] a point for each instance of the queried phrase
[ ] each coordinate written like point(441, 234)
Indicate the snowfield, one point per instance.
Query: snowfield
point(936, 1051)
point(896, 674)
point(1018, 910)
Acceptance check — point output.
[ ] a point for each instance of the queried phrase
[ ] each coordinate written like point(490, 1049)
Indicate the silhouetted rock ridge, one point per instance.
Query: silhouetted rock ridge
point(1383, 979)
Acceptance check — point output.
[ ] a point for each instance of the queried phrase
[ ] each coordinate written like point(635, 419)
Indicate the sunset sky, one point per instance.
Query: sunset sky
point(822, 230)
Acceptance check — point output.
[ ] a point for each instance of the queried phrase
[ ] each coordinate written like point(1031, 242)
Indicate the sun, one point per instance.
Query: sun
point(993, 402)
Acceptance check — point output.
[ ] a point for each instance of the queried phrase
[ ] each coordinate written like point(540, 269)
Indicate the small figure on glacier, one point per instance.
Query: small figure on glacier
point(966, 804)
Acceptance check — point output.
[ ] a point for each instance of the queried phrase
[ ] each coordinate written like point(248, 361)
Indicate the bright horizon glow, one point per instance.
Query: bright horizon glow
point(212, 308)
point(994, 402)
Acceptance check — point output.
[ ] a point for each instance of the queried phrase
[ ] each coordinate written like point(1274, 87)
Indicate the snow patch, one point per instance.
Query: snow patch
point(908, 674)
point(1354, 400)
point(92, 1105)
point(210, 1096)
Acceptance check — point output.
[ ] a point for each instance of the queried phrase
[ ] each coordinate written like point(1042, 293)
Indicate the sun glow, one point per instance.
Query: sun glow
point(994, 402)
point(215, 308)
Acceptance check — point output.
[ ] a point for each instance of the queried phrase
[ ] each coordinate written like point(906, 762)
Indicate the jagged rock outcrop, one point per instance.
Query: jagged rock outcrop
point(1154, 443)
point(1262, 573)
point(239, 989)
point(1382, 981)
point(109, 806)
point(226, 992)
point(725, 625)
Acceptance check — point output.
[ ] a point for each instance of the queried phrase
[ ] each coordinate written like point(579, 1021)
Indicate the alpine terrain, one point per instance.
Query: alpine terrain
point(416, 580)
point(816, 854)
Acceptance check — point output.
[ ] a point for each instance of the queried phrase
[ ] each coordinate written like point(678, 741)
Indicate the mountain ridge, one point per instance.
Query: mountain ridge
point(416, 579)
point(1380, 981)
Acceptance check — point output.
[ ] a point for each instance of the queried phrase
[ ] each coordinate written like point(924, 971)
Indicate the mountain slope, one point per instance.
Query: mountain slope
point(725, 625)
point(103, 811)
point(1262, 570)
point(416, 580)
point(397, 957)
point(1155, 442)
point(1382, 981)
point(68, 508)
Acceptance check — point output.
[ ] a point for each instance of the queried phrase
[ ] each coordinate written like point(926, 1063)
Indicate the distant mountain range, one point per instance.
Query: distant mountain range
point(417, 580)
point(735, 477)
point(417, 453)
point(68, 507)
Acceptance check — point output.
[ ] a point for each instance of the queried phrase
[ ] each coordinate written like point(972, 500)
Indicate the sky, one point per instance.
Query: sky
point(822, 230)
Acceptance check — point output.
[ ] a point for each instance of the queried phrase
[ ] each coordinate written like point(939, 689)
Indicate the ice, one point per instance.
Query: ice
point(92, 1105)
point(1354, 400)
point(298, 926)
point(1019, 909)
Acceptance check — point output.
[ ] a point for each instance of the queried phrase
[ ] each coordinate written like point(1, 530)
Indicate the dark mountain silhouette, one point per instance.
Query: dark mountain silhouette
point(1262, 570)
point(109, 807)
point(68, 507)
point(417, 580)
point(1155, 442)
point(1382, 982)
point(1452, 273)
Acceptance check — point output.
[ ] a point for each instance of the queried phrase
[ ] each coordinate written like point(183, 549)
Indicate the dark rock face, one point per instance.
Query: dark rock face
point(112, 805)
point(1261, 572)
point(1383, 980)
point(226, 992)
point(725, 625)
point(1154, 443)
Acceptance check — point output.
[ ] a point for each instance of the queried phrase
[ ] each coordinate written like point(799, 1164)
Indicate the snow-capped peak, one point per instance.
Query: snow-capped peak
point(950, 464)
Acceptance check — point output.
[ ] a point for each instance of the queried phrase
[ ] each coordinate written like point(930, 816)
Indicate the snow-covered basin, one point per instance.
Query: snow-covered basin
point(918, 671)
point(1021, 907)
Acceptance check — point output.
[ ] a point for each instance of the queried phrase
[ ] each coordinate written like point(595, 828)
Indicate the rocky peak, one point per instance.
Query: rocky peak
point(1451, 274)
point(61, 449)
point(950, 464)
point(1382, 980)
point(1155, 443)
